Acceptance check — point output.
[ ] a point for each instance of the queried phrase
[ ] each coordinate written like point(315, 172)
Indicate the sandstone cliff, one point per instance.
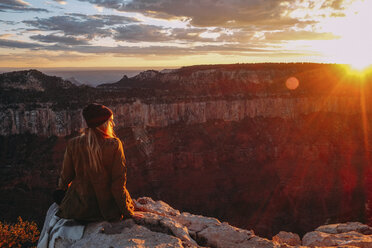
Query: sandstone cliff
point(45, 121)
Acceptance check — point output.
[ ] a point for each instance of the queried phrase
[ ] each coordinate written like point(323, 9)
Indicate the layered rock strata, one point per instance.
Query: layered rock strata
point(46, 122)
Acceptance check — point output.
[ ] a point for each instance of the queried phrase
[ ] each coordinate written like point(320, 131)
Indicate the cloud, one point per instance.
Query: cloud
point(299, 35)
point(78, 24)
point(135, 33)
point(160, 50)
point(147, 52)
point(98, 8)
point(17, 44)
point(337, 7)
point(261, 14)
point(8, 22)
point(156, 50)
point(232, 27)
point(62, 2)
point(151, 33)
point(208, 13)
point(119, 28)
point(112, 4)
point(65, 40)
point(334, 4)
point(239, 36)
point(193, 34)
point(18, 6)
point(6, 36)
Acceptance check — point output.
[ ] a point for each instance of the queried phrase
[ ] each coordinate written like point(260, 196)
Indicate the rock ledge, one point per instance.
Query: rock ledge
point(163, 226)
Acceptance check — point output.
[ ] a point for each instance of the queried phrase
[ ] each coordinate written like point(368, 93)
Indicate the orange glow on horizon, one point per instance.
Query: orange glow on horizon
point(356, 72)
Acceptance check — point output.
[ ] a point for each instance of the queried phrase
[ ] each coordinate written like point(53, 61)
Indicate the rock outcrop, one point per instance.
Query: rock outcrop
point(351, 234)
point(163, 226)
point(287, 238)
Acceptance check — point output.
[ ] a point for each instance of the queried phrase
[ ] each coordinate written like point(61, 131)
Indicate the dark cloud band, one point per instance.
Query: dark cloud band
point(65, 40)
point(78, 24)
point(18, 6)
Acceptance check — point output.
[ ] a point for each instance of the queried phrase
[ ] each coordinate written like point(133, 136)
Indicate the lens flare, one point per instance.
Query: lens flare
point(292, 83)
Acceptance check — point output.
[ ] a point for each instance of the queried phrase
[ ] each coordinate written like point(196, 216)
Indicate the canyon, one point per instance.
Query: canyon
point(226, 141)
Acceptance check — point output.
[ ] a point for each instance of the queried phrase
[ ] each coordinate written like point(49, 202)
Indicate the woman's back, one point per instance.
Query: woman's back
point(93, 175)
point(94, 194)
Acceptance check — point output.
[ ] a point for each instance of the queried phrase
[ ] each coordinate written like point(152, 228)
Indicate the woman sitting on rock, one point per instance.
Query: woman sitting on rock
point(94, 172)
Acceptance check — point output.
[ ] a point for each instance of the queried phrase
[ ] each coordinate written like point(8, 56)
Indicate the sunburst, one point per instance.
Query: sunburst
point(353, 45)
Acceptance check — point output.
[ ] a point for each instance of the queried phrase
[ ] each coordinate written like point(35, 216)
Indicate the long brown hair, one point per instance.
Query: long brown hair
point(94, 148)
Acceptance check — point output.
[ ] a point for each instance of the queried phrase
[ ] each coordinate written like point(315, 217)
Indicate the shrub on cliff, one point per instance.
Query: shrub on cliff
point(20, 234)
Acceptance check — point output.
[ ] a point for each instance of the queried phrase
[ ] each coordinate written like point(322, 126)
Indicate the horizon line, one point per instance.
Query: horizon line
point(154, 67)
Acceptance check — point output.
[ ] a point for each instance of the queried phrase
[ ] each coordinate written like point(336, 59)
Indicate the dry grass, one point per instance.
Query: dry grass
point(20, 234)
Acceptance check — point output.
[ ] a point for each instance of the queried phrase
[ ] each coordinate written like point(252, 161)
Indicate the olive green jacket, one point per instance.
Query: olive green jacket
point(94, 195)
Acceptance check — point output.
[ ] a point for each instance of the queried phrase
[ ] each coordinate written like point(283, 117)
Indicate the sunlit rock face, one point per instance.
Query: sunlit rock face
point(227, 141)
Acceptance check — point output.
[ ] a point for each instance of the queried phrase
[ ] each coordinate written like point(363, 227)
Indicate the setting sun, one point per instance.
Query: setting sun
point(354, 44)
point(354, 71)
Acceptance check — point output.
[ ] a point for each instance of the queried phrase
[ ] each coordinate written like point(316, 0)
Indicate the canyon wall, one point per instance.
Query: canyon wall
point(46, 122)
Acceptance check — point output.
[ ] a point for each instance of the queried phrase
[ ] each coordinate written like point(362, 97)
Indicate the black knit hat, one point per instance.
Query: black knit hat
point(96, 114)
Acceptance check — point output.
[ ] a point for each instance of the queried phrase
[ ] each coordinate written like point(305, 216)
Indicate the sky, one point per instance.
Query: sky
point(174, 33)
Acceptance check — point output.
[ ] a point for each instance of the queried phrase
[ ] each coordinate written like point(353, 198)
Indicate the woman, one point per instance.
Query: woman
point(94, 172)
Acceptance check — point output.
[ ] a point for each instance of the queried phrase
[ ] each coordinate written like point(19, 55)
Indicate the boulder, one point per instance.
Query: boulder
point(226, 236)
point(345, 227)
point(287, 238)
point(351, 234)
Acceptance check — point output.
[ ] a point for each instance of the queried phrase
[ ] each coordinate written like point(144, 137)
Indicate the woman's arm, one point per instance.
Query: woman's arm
point(67, 172)
point(118, 185)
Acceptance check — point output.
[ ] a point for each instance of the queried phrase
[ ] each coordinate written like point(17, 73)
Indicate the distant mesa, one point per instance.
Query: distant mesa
point(32, 80)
